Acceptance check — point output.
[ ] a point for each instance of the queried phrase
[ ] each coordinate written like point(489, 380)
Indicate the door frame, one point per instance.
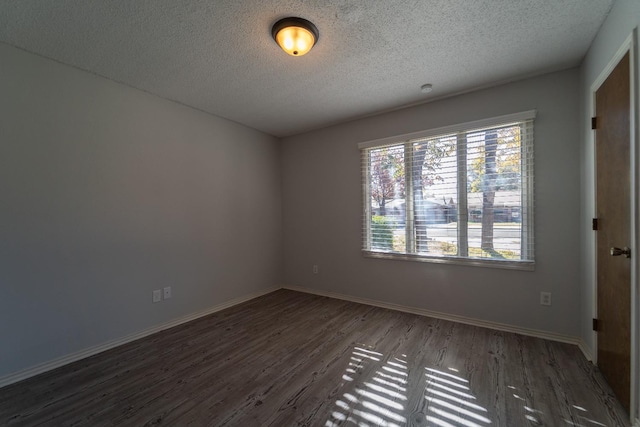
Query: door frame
point(629, 45)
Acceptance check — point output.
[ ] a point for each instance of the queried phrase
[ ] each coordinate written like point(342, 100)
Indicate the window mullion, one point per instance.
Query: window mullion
point(408, 204)
point(463, 212)
point(526, 203)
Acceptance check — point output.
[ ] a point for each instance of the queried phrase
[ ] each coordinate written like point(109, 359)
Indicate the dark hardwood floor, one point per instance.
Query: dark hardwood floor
point(293, 359)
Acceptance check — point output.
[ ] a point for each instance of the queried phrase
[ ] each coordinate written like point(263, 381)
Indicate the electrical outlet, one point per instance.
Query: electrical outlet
point(157, 295)
point(315, 269)
point(545, 298)
point(167, 292)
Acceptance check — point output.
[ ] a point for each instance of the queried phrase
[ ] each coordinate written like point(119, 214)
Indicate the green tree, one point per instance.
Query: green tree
point(489, 189)
point(507, 162)
point(387, 175)
point(495, 167)
point(427, 160)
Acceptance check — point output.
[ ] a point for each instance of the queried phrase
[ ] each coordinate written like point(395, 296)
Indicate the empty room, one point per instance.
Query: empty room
point(319, 213)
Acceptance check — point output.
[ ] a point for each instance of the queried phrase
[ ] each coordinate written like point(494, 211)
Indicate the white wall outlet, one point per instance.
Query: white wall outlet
point(545, 298)
point(157, 295)
point(167, 292)
point(315, 269)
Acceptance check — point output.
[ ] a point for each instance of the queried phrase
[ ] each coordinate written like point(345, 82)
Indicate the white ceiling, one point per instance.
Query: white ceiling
point(372, 55)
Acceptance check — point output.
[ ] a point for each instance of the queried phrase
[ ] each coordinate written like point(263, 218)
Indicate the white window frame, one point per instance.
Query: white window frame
point(527, 202)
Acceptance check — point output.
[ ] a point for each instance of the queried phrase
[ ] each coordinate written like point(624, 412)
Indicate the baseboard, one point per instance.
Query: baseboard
point(73, 357)
point(454, 318)
point(588, 354)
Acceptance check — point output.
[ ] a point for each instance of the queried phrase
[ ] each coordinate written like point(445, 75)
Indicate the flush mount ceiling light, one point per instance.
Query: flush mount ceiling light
point(296, 36)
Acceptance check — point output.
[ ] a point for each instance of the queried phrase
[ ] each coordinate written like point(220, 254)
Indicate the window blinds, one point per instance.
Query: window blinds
point(460, 193)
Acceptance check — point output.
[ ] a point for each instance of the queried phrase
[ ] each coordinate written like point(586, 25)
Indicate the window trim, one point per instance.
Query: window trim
point(459, 129)
point(526, 265)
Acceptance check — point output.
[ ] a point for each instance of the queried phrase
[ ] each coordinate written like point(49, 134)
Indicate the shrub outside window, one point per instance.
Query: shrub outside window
point(460, 194)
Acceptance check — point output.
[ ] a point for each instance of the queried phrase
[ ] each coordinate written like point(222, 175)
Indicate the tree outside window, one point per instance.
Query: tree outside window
point(459, 195)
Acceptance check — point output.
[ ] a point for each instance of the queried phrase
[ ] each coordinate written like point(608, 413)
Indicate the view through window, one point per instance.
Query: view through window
point(460, 193)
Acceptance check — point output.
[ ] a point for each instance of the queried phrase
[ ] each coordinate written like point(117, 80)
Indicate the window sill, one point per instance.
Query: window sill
point(473, 262)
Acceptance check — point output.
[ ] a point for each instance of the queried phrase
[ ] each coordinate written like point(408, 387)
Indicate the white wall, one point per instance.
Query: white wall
point(107, 193)
point(622, 19)
point(322, 206)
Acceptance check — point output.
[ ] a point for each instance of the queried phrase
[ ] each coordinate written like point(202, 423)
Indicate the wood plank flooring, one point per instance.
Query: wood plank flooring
point(293, 359)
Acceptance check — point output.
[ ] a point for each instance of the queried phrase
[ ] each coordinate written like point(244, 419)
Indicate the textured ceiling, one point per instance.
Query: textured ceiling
point(372, 56)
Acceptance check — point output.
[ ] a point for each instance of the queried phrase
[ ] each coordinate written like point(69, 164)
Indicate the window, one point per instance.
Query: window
point(460, 194)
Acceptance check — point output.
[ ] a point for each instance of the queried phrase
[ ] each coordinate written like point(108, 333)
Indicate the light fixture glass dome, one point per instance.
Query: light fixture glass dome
point(296, 36)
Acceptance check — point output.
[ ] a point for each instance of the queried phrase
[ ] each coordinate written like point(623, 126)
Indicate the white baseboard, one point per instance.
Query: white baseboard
point(454, 318)
point(73, 357)
point(588, 354)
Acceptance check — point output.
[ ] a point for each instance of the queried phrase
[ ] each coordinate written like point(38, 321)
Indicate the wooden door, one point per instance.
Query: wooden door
point(613, 196)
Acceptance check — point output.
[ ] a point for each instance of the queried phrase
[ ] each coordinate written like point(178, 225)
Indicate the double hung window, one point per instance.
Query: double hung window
point(460, 194)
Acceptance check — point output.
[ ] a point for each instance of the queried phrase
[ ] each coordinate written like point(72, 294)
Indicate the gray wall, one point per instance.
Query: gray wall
point(622, 19)
point(322, 206)
point(107, 193)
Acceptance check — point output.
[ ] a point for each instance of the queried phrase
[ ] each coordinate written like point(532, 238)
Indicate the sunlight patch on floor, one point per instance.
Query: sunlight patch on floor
point(449, 398)
point(377, 396)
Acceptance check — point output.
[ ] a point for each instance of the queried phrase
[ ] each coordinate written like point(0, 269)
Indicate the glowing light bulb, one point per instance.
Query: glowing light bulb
point(296, 41)
point(296, 36)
